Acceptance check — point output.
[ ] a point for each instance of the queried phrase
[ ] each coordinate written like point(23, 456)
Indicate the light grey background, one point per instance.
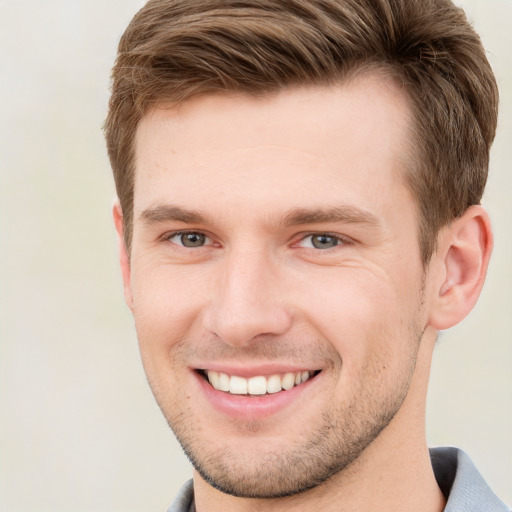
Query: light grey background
point(79, 430)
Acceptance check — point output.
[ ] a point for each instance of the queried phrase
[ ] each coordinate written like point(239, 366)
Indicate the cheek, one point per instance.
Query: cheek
point(167, 304)
point(365, 317)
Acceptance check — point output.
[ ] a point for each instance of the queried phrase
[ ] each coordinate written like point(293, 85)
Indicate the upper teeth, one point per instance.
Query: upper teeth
point(258, 385)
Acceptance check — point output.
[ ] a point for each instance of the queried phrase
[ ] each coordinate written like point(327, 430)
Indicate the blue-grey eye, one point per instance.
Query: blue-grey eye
point(191, 239)
point(324, 241)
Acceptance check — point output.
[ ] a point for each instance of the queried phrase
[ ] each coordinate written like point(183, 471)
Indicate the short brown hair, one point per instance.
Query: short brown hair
point(174, 49)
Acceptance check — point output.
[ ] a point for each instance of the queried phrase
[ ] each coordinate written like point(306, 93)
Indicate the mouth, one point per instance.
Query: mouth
point(257, 385)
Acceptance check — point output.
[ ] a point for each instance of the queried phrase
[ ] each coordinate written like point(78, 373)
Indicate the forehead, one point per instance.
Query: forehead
point(318, 140)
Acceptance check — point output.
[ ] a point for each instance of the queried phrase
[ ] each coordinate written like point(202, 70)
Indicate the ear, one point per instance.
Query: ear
point(464, 250)
point(124, 258)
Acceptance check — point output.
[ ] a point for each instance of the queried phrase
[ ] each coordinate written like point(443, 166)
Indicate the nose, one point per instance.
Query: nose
point(247, 300)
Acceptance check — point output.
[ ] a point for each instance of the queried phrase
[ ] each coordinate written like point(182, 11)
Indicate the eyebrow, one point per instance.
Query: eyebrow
point(344, 214)
point(297, 216)
point(166, 213)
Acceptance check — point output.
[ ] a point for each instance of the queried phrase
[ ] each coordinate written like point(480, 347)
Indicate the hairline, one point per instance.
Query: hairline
point(410, 154)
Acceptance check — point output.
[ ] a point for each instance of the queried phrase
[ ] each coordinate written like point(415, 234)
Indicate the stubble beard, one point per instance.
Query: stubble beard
point(332, 446)
point(330, 449)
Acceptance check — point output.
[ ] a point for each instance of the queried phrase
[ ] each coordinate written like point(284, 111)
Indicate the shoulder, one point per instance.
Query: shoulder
point(184, 500)
point(464, 487)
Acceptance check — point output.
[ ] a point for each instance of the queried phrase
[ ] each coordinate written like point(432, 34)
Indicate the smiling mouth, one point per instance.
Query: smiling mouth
point(257, 385)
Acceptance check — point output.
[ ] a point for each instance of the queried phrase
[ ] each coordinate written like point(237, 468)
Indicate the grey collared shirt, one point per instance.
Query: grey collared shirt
point(458, 478)
point(462, 484)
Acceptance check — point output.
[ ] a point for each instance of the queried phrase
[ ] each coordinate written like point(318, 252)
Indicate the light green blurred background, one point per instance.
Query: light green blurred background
point(79, 430)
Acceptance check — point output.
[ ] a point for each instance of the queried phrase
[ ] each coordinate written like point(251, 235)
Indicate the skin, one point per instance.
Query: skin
point(257, 181)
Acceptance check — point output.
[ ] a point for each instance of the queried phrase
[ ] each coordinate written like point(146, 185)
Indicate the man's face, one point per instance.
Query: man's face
point(274, 242)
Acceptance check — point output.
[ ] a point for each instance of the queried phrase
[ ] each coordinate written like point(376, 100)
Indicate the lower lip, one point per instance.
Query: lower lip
point(252, 407)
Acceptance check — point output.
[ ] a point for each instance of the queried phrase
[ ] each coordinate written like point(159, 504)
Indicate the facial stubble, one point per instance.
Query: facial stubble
point(337, 441)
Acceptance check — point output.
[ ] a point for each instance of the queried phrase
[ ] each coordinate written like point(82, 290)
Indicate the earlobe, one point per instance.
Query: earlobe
point(464, 251)
point(124, 259)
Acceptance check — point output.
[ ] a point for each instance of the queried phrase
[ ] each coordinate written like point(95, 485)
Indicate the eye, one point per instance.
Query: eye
point(190, 239)
point(320, 241)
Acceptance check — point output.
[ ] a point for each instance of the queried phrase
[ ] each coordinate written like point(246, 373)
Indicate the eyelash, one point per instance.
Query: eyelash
point(340, 240)
point(169, 236)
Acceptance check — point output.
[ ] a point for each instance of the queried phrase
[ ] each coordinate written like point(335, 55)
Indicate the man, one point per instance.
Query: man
point(299, 187)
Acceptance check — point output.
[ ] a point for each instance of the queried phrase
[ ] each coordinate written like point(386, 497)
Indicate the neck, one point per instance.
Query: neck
point(393, 473)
